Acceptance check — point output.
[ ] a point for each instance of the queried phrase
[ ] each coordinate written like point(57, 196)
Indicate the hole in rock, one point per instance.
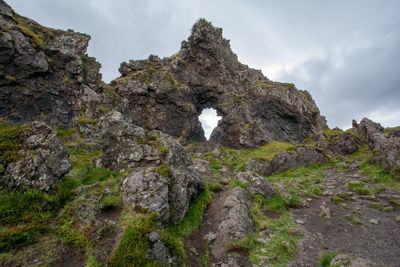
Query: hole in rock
point(209, 120)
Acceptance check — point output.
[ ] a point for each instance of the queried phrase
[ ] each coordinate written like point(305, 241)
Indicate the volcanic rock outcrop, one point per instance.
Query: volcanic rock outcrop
point(44, 73)
point(44, 160)
point(169, 95)
point(386, 148)
point(165, 181)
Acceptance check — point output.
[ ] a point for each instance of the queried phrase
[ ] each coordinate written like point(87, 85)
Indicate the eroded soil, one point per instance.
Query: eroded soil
point(363, 225)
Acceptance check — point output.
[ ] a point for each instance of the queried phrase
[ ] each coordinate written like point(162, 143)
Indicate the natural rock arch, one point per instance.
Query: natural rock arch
point(169, 94)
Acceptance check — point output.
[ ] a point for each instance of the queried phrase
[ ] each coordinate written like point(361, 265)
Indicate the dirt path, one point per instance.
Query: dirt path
point(362, 225)
point(352, 217)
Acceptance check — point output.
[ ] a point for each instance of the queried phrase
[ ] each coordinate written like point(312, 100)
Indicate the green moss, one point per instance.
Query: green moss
point(162, 150)
point(331, 134)
point(38, 34)
point(363, 189)
point(262, 85)
point(206, 257)
point(354, 221)
point(388, 130)
point(225, 104)
point(163, 170)
point(238, 158)
point(376, 206)
point(111, 201)
point(86, 120)
point(11, 78)
point(291, 85)
point(91, 261)
point(236, 183)
point(214, 187)
point(135, 243)
point(37, 41)
point(326, 258)
point(10, 144)
point(337, 200)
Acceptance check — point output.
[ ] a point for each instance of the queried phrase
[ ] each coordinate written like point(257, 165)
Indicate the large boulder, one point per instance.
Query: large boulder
point(164, 179)
point(236, 221)
point(45, 160)
point(169, 95)
point(257, 184)
point(285, 160)
point(386, 148)
point(344, 143)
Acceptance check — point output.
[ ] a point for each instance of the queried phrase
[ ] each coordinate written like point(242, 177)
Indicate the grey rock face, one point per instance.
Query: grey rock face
point(149, 190)
point(169, 94)
point(42, 71)
point(168, 180)
point(283, 161)
point(387, 148)
point(345, 144)
point(46, 160)
point(237, 221)
point(257, 184)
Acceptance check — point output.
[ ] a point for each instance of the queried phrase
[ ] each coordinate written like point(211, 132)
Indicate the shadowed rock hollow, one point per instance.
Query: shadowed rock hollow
point(169, 95)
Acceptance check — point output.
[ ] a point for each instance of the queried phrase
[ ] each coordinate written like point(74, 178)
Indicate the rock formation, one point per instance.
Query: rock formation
point(167, 181)
point(285, 160)
point(43, 162)
point(257, 184)
point(235, 221)
point(386, 148)
point(44, 73)
point(169, 94)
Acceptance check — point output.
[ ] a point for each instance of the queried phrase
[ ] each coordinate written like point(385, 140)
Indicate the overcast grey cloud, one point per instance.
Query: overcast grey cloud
point(345, 53)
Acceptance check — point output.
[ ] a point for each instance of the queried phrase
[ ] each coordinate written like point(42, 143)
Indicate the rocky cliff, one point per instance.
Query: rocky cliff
point(44, 73)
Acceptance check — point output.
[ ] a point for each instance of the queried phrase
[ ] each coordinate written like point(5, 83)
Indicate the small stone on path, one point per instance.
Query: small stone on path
point(325, 212)
point(299, 221)
point(374, 221)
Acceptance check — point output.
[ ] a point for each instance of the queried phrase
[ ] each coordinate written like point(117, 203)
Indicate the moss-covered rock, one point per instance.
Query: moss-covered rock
point(32, 157)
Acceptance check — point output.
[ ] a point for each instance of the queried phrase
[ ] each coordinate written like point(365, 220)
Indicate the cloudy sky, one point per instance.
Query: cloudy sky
point(346, 53)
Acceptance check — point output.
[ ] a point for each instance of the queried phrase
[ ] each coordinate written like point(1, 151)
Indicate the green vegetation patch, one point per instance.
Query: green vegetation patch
point(10, 144)
point(375, 173)
point(37, 33)
point(281, 245)
point(163, 170)
point(363, 189)
point(237, 158)
point(326, 258)
point(174, 234)
point(21, 235)
point(302, 181)
point(135, 243)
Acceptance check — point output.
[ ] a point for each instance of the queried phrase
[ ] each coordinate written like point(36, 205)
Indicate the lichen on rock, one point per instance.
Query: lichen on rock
point(43, 161)
point(164, 179)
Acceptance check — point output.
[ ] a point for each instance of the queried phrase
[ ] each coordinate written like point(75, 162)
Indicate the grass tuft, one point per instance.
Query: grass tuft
point(135, 243)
